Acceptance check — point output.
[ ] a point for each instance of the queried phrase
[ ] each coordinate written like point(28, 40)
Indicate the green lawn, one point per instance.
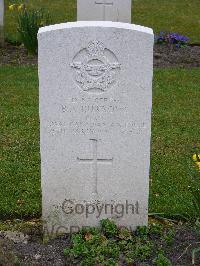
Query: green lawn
point(175, 132)
point(19, 142)
point(180, 16)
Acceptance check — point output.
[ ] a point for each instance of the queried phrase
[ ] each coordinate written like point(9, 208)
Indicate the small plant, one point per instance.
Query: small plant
point(156, 229)
point(142, 230)
point(110, 245)
point(194, 186)
point(93, 249)
point(29, 22)
point(172, 39)
point(109, 227)
point(169, 237)
point(161, 260)
point(194, 252)
point(143, 250)
point(195, 191)
point(124, 234)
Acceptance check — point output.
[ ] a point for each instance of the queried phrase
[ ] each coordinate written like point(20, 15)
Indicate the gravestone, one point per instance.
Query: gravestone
point(104, 10)
point(95, 115)
point(1, 22)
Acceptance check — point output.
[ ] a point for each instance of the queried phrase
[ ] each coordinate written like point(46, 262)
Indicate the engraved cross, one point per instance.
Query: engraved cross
point(94, 161)
point(105, 4)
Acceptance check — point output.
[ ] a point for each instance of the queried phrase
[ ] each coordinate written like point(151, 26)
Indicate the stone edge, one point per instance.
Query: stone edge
point(105, 24)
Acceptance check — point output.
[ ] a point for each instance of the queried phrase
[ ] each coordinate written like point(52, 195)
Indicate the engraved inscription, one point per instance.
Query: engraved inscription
point(95, 127)
point(99, 105)
point(96, 68)
point(94, 161)
point(105, 4)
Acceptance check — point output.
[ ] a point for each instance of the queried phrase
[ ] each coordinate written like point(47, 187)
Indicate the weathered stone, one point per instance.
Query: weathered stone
point(104, 10)
point(16, 237)
point(95, 116)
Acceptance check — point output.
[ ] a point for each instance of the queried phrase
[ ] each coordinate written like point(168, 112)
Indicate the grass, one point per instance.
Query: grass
point(175, 132)
point(19, 142)
point(180, 16)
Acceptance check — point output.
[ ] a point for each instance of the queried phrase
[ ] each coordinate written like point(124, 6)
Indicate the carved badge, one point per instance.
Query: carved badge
point(96, 68)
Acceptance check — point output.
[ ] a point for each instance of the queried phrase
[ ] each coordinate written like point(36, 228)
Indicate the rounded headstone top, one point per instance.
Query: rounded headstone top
point(103, 24)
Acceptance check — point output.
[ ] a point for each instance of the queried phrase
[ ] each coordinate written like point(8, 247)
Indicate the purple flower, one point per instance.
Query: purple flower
point(172, 38)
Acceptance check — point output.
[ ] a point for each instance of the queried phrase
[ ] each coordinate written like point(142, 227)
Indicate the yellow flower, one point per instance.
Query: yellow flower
point(196, 157)
point(198, 165)
point(20, 7)
point(12, 7)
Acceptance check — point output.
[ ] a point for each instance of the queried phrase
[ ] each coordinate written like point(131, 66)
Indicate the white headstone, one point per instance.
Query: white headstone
point(95, 115)
point(104, 10)
point(1, 22)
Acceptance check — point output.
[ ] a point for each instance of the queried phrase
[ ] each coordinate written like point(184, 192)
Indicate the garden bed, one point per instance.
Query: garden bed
point(164, 56)
point(16, 55)
point(175, 241)
point(169, 56)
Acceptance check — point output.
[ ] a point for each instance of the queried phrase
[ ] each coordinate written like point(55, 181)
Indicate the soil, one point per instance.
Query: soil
point(16, 55)
point(169, 56)
point(34, 252)
point(164, 56)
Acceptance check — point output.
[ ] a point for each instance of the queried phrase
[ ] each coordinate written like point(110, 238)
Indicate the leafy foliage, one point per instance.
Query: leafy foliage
point(110, 245)
point(161, 260)
point(29, 22)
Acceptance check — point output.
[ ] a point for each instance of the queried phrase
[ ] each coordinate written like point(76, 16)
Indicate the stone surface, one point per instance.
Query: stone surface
point(95, 117)
point(104, 10)
point(16, 237)
point(1, 22)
